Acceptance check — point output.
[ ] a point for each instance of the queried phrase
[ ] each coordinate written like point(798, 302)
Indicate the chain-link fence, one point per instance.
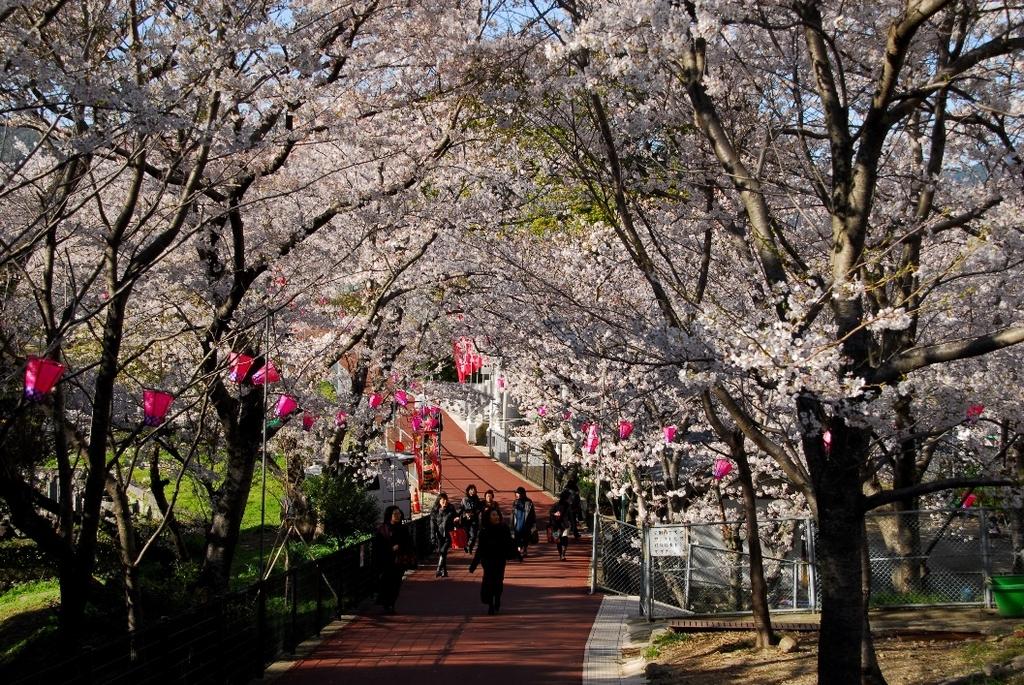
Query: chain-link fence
point(620, 557)
point(916, 558)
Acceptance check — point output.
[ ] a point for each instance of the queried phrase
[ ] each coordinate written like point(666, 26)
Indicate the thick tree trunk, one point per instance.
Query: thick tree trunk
point(836, 477)
point(223, 534)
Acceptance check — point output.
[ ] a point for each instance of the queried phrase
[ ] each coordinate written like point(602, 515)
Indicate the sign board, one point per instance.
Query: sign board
point(668, 541)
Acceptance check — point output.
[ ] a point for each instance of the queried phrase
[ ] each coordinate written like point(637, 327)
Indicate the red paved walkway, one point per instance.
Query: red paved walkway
point(442, 633)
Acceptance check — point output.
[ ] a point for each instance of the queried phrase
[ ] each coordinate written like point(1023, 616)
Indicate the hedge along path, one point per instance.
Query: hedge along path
point(441, 632)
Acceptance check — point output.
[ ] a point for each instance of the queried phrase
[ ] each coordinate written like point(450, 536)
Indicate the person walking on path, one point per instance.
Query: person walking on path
point(560, 522)
point(524, 518)
point(392, 554)
point(442, 523)
point(470, 515)
point(488, 504)
point(495, 549)
point(575, 505)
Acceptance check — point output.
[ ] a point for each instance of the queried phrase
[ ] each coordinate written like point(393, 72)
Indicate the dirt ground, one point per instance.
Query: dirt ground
point(914, 648)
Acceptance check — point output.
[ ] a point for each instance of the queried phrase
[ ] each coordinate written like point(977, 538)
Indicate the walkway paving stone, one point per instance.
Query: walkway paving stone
point(441, 632)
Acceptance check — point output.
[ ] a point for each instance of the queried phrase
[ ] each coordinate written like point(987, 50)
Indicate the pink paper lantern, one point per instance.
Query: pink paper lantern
point(826, 440)
point(625, 430)
point(375, 400)
point(41, 374)
point(501, 382)
point(431, 424)
point(340, 419)
point(155, 404)
point(592, 439)
point(670, 433)
point(286, 404)
point(401, 398)
point(239, 364)
point(542, 411)
point(267, 373)
point(307, 421)
point(969, 501)
point(721, 468)
point(416, 421)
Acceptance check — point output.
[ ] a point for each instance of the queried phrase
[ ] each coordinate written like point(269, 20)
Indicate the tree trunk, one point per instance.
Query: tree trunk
point(156, 486)
point(836, 482)
point(222, 537)
point(871, 674)
point(758, 585)
point(127, 551)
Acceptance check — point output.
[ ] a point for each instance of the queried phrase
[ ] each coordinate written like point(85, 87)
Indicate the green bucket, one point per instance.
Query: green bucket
point(1008, 593)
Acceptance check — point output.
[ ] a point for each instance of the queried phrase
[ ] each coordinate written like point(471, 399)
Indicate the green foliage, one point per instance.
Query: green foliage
point(663, 642)
point(21, 562)
point(344, 508)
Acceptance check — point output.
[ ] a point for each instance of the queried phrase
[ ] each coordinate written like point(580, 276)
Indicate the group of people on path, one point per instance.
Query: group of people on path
point(479, 524)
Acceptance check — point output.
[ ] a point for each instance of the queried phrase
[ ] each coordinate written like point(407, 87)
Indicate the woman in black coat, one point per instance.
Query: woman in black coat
point(442, 523)
point(393, 553)
point(560, 522)
point(494, 548)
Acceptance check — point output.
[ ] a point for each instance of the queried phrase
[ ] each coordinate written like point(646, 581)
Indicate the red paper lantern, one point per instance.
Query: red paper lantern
point(974, 413)
point(375, 400)
point(239, 364)
point(155, 404)
point(267, 373)
point(286, 404)
point(625, 430)
point(41, 374)
point(340, 419)
point(969, 501)
point(399, 446)
point(721, 468)
point(670, 433)
point(307, 421)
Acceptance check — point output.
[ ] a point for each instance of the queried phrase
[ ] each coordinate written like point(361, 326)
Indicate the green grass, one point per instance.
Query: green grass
point(663, 642)
point(30, 596)
point(977, 654)
point(27, 614)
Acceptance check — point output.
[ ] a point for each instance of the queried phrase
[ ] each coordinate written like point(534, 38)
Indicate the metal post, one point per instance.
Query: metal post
point(812, 568)
point(686, 575)
point(263, 468)
point(986, 559)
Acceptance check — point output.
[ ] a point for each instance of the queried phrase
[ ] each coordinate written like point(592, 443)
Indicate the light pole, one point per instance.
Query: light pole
point(263, 467)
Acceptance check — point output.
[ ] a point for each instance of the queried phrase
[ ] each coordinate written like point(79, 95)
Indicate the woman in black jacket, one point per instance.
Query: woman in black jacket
point(494, 548)
point(442, 523)
point(470, 514)
point(560, 522)
point(393, 553)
